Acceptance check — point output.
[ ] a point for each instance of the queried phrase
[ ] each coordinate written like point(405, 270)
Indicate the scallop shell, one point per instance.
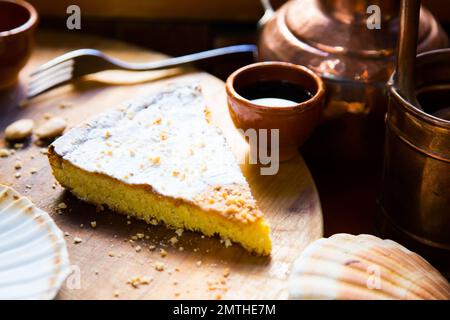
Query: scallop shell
point(33, 254)
point(364, 267)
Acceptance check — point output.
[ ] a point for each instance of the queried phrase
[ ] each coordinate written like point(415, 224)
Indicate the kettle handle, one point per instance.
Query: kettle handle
point(268, 13)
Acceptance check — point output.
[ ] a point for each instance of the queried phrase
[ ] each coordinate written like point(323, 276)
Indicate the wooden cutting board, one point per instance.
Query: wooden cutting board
point(106, 258)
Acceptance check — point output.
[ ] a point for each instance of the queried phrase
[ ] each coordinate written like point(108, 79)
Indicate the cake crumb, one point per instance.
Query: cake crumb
point(228, 243)
point(162, 253)
point(159, 266)
point(47, 115)
point(64, 105)
point(111, 254)
point(93, 224)
point(77, 240)
point(33, 171)
point(62, 206)
point(180, 249)
point(135, 282)
point(199, 263)
point(146, 280)
point(138, 248)
point(151, 247)
point(173, 240)
point(4, 153)
point(155, 160)
point(140, 235)
point(179, 232)
point(107, 134)
point(23, 103)
point(18, 165)
point(226, 272)
point(17, 175)
point(116, 293)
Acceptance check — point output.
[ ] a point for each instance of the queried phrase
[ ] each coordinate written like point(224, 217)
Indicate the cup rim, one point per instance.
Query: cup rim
point(32, 20)
point(299, 107)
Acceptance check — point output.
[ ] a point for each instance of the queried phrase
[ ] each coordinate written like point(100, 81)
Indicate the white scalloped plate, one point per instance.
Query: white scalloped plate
point(33, 254)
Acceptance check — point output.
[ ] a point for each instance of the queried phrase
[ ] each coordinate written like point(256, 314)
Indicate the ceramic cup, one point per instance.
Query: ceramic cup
point(296, 122)
point(18, 20)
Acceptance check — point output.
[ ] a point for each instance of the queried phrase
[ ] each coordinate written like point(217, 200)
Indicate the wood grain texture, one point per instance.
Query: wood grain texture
point(289, 199)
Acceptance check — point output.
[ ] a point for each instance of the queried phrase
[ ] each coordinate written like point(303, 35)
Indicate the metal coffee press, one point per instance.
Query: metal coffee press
point(414, 203)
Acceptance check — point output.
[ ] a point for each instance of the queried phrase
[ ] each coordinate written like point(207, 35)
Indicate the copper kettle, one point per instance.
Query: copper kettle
point(332, 37)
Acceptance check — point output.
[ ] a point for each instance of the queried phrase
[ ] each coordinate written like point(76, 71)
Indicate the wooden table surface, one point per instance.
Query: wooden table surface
point(106, 259)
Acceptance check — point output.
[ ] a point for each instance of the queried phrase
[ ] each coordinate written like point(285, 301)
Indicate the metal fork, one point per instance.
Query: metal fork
point(78, 63)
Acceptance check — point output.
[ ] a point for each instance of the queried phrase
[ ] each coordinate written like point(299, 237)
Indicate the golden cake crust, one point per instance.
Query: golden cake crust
point(232, 202)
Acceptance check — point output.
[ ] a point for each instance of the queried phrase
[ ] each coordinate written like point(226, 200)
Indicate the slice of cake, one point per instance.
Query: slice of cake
point(160, 159)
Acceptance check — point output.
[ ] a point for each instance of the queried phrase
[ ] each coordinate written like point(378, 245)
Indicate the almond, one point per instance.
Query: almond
point(52, 128)
point(19, 130)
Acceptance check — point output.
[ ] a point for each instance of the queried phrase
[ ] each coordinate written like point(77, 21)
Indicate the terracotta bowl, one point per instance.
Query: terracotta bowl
point(18, 20)
point(295, 123)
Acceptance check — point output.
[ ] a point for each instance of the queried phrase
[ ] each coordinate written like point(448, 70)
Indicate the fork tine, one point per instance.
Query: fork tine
point(55, 82)
point(43, 79)
point(35, 76)
point(58, 60)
